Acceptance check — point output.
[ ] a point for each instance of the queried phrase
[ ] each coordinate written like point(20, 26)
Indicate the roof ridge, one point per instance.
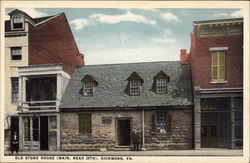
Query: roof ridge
point(114, 64)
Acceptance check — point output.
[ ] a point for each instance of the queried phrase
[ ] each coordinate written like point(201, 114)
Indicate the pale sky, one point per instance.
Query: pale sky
point(124, 35)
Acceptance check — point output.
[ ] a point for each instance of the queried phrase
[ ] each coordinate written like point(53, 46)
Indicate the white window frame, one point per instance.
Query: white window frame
point(17, 18)
point(161, 86)
point(16, 51)
point(135, 87)
point(87, 88)
point(161, 122)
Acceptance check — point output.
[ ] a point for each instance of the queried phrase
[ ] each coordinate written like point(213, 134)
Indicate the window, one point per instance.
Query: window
point(161, 85)
point(26, 128)
point(35, 129)
point(18, 21)
point(16, 53)
point(161, 122)
point(84, 123)
point(87, 88)
point(14, 90)
point(135, 87)
point(89, 84)
point(218, 66)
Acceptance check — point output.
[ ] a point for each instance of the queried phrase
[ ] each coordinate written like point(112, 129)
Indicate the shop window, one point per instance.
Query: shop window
point(16, 53)
point(14, 90)
point(218, 66)
point(84, 123)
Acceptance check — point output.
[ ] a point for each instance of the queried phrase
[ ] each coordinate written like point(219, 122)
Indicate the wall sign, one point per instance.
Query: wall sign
point(106, 120)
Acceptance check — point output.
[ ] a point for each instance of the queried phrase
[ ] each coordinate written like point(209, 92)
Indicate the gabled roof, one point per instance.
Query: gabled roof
point(113, 81)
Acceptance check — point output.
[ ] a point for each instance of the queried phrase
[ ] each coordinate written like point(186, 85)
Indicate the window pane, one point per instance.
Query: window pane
point(35, 129)
point(214, 58)
point(218, 66)
point(16, 53)
point(134, 87)
point(214, 73)
point(161, 85)
point(221, 73)
point(87, 88)
point(26, 128)
point(14, 90)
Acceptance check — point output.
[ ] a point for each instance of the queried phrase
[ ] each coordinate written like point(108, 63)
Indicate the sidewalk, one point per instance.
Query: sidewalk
point(201, 152)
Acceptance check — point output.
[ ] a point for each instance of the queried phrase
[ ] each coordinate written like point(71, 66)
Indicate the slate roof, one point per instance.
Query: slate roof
point(110, 91)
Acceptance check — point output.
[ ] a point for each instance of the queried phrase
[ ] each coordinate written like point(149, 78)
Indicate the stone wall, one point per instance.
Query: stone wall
point(179, 138)
point(104, 135)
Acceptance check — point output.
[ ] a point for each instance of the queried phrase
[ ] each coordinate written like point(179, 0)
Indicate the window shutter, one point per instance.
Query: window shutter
point(153, 122)
point(85, 123)
point(169, 124)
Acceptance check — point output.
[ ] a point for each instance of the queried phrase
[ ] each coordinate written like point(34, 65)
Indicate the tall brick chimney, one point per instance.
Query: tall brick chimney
point(184, 57)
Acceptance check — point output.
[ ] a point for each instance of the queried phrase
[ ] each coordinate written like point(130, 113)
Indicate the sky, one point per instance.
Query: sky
point(125, 35)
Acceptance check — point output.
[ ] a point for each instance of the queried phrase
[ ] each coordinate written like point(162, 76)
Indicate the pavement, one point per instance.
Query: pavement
point(199, 152)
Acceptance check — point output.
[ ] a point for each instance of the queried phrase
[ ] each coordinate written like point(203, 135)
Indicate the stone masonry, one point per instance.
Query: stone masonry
point(104, 135)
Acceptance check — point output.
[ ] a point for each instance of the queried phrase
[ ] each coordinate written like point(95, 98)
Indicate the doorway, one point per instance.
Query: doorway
point(209, 130)
point(44, 133)
point(123, 132)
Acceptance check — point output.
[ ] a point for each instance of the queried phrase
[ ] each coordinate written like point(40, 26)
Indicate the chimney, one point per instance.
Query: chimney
point(79, 60)
point(184, 57)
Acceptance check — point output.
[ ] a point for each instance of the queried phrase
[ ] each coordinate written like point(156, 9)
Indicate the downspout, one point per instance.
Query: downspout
point(142, 143)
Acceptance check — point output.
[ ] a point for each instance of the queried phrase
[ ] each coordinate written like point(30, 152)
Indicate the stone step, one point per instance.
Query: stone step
point(121, 148)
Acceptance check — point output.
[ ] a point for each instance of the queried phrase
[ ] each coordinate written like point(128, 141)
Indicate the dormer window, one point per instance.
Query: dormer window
point(87, 88)
point(135, 84)
point(135, 87)
point(161, 85)
point(89, 85)
point(18, 21)
point(160, 82)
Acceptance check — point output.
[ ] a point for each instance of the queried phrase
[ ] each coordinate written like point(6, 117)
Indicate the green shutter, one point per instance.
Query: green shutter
point(153, 122)
point(169, 125)
point(84, 123)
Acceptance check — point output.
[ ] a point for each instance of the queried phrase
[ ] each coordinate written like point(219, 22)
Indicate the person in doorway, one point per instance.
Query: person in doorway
point(136, 140)
point(14, 143)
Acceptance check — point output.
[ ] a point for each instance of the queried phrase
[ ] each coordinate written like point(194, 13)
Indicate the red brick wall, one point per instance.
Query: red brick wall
point(200, 60)
point(53, 42)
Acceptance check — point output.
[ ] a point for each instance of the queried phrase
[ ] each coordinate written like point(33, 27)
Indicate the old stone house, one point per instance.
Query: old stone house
point(216, 60)
point(40, 55)
point(104, 104)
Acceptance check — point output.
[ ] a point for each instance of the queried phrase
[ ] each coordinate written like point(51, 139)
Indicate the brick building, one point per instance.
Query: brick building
point(40, 56)
point(216, 59)
point(104, 104)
